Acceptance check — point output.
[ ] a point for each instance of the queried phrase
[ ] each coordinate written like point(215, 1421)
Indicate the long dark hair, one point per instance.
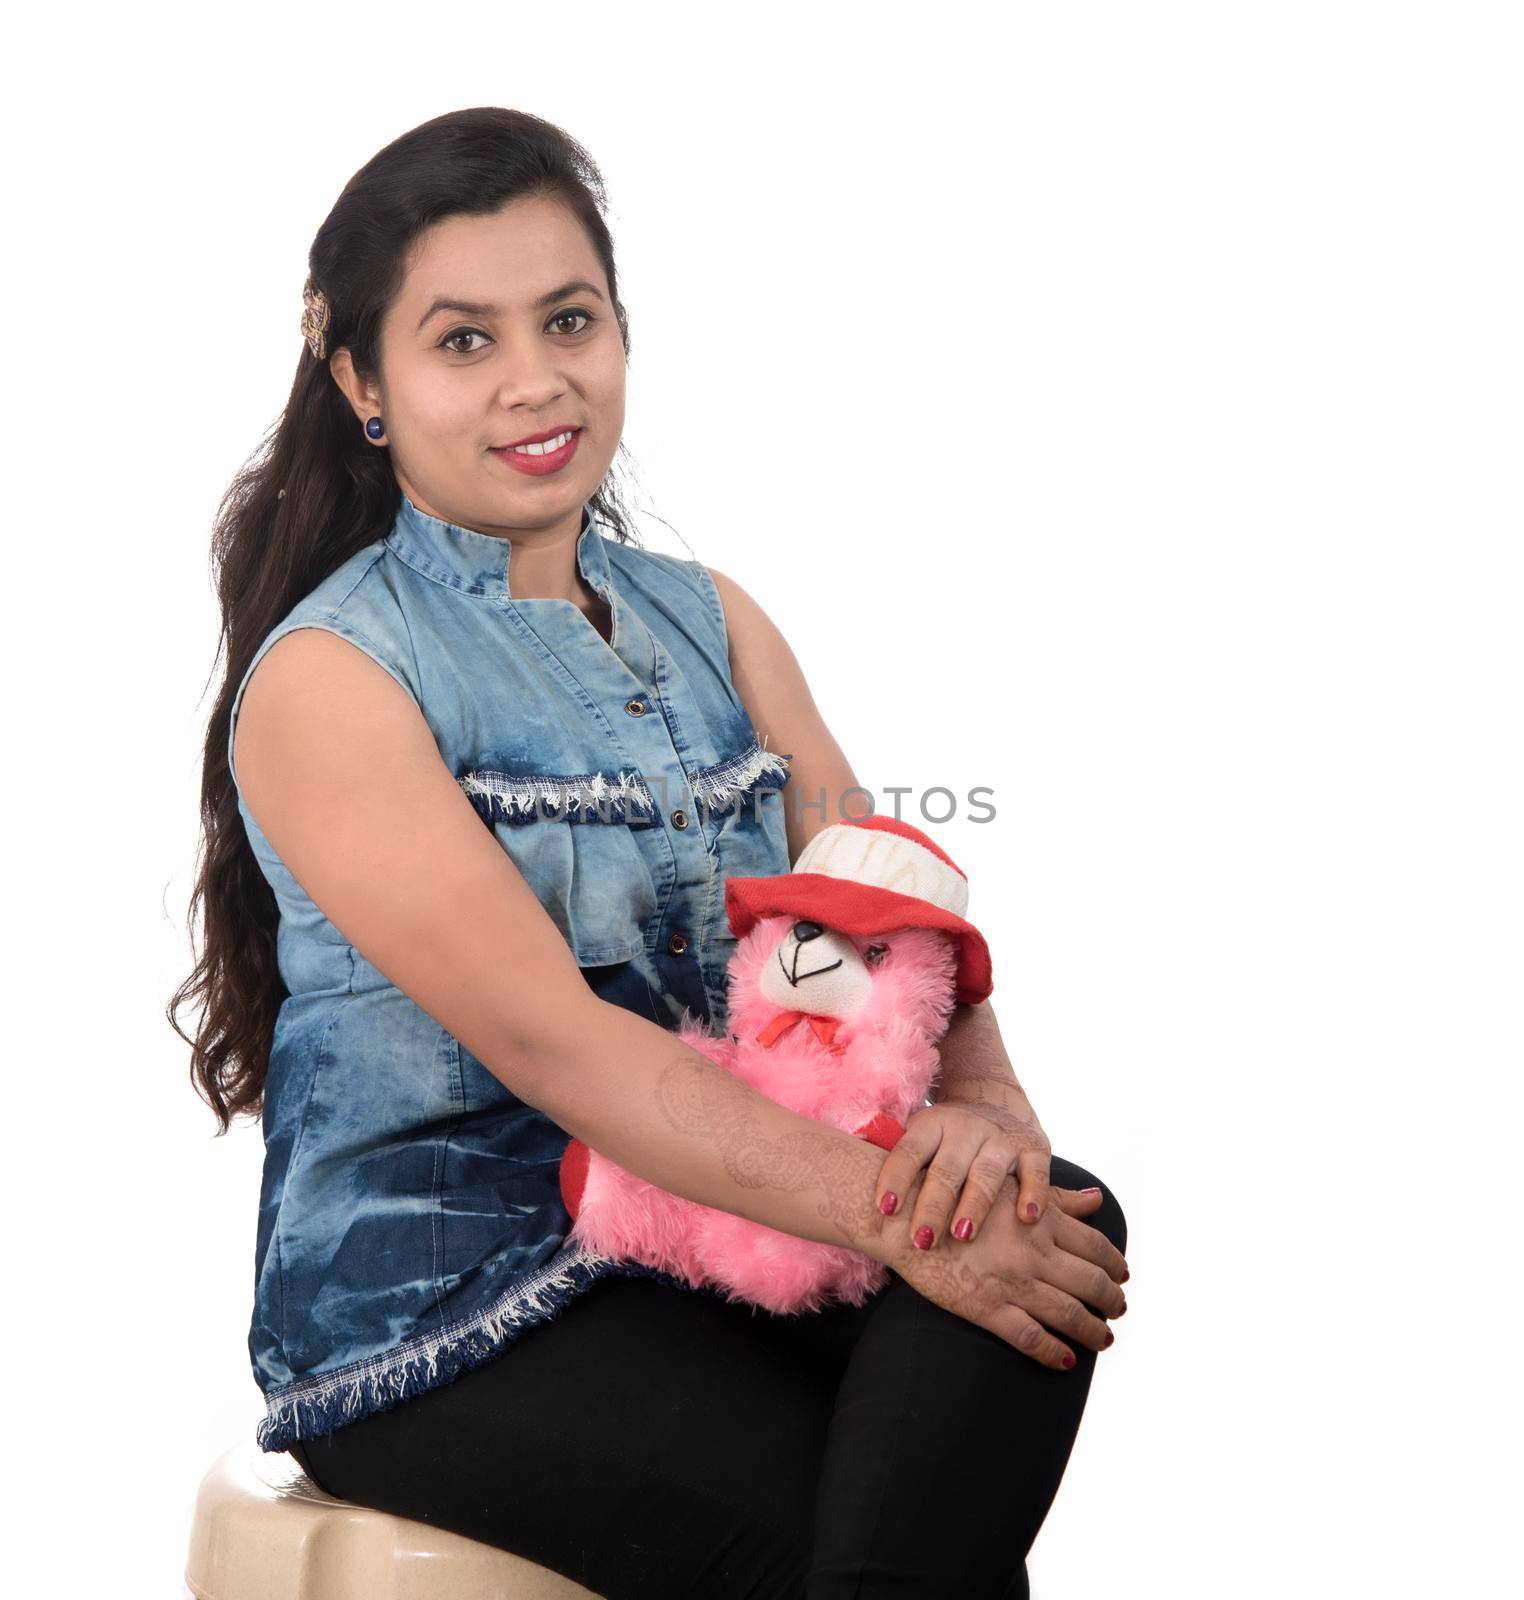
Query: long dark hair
point(312, 495)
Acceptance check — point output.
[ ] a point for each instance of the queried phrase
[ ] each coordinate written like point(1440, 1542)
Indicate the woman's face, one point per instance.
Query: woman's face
point(532, 344)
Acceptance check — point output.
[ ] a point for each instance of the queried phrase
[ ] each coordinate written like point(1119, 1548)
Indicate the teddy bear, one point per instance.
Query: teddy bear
point(840, 988)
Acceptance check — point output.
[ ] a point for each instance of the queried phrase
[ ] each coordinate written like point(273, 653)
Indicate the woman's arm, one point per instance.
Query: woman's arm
point(777, 698)
point(772, 686)
point(975, 1073)
point(415, 881)
point(975, 1065)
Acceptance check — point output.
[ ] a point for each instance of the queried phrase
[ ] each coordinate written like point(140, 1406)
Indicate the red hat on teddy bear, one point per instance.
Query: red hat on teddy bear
point(868, 876)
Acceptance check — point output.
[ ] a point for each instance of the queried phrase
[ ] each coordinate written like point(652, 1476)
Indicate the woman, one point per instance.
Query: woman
point(435, 619)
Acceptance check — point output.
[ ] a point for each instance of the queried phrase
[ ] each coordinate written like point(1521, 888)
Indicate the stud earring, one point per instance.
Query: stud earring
point(375, 427)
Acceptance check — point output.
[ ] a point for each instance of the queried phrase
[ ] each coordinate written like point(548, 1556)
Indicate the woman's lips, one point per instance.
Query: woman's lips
point(539, 466)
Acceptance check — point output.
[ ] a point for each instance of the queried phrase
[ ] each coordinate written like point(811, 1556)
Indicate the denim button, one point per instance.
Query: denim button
point(636, 708)
point(679, 819)
point(677, 943)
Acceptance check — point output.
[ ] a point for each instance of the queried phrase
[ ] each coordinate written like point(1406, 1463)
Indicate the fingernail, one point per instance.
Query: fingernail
point(923, 1238)
point(1111, 1339)
point(890, 1203)
point(1126, 1273)
point(963, 1227)
point(1031, 1208)
point(1068, 1358)
point(1094, 1188)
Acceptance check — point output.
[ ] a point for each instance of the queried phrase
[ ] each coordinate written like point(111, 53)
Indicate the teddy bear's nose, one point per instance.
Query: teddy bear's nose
point(807, 930)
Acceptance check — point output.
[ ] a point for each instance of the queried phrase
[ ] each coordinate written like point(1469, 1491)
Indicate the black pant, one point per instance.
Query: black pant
point(654, 1442)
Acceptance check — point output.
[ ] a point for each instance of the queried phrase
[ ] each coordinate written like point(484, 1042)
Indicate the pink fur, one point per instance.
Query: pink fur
point(883, 1059)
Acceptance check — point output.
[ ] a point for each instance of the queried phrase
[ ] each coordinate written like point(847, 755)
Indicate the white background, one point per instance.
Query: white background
point(1117, 405)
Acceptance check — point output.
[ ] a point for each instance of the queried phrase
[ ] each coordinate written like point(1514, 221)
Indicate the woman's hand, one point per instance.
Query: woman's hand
point(967, 1146)
point(1020, 1280)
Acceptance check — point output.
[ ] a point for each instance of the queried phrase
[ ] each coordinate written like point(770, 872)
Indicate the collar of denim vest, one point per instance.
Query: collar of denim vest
point(477, 563)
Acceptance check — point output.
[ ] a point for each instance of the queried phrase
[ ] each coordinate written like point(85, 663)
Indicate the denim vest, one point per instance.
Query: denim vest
point(410, 1216)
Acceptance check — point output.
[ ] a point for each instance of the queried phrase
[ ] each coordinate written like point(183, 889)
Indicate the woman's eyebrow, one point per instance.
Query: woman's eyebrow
point(478, 308)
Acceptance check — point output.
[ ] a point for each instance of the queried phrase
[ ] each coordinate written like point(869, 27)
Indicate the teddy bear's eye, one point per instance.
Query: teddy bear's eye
point(875, 953)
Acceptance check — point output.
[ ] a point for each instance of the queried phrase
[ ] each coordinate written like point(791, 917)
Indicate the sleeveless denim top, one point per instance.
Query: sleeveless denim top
point(410, 1217)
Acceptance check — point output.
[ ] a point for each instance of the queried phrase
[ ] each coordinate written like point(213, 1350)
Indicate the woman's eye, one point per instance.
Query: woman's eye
point(448, 342)
point(461, 333)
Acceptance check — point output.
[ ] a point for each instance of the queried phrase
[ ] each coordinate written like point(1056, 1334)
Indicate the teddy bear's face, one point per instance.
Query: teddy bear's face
point(799, 965)
point(815, 968)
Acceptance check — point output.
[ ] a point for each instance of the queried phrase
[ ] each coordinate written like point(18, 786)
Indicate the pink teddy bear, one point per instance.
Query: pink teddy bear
point(840, 989)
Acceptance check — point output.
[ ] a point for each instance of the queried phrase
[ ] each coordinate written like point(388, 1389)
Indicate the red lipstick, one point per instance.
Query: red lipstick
point(537, 466)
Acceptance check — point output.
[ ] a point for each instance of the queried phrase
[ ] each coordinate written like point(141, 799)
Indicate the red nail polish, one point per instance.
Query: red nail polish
point(923, 1237)
point(1126, 1273)
point(1094, 1188)
point(890, 1203)
point(1111, 1339)
point(1031, 1208)
point(963, 1227)
point(1068, 1358)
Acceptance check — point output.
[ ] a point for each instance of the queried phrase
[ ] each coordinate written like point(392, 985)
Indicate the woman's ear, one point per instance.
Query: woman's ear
point(364, 399)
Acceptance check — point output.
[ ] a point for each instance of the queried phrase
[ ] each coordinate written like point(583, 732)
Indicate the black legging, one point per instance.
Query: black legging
point(653, 1442)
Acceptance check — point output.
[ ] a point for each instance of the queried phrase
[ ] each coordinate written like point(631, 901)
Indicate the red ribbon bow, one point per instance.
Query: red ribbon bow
point(824, 1028)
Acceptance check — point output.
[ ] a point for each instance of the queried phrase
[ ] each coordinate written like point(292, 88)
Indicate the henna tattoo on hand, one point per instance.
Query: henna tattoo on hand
point(698, 1096)
point(976, 1072)
point(972, 1069)
point(1025, 1128)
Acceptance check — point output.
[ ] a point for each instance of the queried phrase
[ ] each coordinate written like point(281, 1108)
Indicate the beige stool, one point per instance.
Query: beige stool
point(263, 1530)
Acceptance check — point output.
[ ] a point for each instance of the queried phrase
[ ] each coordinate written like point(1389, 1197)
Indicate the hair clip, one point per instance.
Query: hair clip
point(316, 315)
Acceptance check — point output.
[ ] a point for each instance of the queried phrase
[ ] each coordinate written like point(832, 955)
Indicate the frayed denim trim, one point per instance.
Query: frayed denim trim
point(320, 1404)
point(578, 797)
point(721, 785)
